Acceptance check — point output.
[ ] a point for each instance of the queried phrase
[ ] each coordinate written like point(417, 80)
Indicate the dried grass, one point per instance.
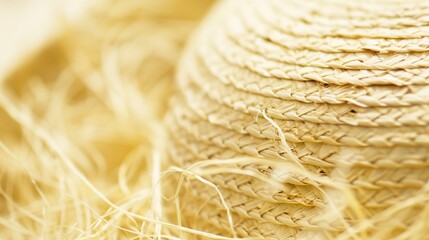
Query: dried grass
point(81, 109)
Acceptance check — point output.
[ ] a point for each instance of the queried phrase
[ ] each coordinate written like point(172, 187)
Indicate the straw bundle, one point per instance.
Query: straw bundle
point(303, 120)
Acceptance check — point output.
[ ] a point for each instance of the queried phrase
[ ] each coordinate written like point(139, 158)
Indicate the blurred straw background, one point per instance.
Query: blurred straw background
point(83, 88)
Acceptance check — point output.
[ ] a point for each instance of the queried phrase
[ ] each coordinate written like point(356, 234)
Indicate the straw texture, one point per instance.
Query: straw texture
point(303, 120)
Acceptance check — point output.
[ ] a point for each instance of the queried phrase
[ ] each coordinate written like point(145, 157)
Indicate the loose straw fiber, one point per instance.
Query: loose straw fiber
point(303, 120)
point(81, 102)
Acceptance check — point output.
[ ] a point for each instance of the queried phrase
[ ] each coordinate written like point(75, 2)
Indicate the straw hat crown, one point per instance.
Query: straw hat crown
point(327, 99)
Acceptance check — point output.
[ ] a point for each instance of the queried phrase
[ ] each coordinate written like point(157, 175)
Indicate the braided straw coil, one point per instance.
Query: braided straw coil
point(303, 120)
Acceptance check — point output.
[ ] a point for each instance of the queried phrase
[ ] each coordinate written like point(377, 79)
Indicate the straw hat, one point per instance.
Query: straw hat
point(313, 116)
